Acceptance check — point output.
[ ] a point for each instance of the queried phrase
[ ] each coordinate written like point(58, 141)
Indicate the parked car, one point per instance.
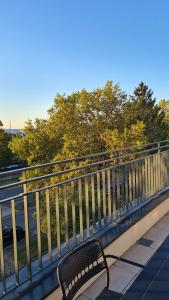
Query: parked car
point(8, 234)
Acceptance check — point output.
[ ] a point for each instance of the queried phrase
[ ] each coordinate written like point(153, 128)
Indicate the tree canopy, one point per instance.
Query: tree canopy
point(92, 121)
point(142, 106)
point(164, 106)
point(6, 155)
point(88, 122)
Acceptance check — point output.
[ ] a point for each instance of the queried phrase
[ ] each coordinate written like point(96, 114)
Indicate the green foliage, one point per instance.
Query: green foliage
point(133, 135)
point(82, 123)
point(6, 156)
point(38, 144)
point(142, 107)
point(74, 127)
point(164, 107)
point(92, 121)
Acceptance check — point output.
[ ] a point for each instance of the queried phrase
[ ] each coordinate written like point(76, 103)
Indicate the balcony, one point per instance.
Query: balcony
point(118, 197)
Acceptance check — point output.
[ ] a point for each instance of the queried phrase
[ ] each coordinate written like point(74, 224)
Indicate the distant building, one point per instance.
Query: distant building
point(14, 131)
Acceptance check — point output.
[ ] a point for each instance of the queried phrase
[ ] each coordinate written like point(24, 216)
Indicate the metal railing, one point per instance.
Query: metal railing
point(56, 215)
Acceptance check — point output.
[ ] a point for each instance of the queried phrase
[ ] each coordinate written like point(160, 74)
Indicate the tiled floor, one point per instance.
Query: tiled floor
point(121, 274)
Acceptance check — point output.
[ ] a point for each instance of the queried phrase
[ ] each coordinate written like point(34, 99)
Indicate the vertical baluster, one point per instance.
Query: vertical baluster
point(80, 209)
point(167, 167)
point(99, 198)
point(163, 161)
point(2, 259)
point(160, 170)
point(137, 182)
point(151, 175)
point(114, 193)
point(143, 174)
point(126, 187)
point(109, 195)
point(159, 166)
point(141, 181)
point(130, 186)
point(146, 177)
point(48, 225)
point(15, 241)
point(118, 190)
point(38, 230)
point(104, 194)
point(27, 234)
point(66, 215)
point(58, 221)
point(134, 183)
point(87, 207)
point(164, 168)
point(155, 175)
point(122, 184)
point(154, 172)
point(93, 204)
point(73, 212)
point(157, 171)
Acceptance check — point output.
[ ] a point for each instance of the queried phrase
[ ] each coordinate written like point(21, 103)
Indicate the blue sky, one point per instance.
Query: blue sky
point(51, 46)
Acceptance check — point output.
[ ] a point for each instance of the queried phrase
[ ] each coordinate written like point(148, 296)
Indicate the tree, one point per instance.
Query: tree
point(74, 126)
point(37, 145)
point(6, 156)
point(133, 135)
point(142, 107)
point(87, 122)
point(164, 107)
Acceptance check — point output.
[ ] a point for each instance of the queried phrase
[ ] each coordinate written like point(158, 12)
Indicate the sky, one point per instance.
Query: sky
point(60, 46)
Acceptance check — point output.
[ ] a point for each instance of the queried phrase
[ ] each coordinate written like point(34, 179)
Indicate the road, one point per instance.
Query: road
point(6, 209)
point(13, 191)
point(7, 193)
point(20, 221)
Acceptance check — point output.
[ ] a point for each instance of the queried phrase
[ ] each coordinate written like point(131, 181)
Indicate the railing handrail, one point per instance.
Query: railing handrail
point(47, 176)
point(80, 177)
point(79, 158)
point(54, 216)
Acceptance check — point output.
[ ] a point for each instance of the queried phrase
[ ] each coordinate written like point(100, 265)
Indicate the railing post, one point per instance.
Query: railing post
point(15, 248)
point(93, 204)
point(80, 208)
point(2, 258)
point(27, 236)
point(114, 193)
point(38, 226)
point(48, 225)
point(58, 222)
point(73, 212)
point(87, 207)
